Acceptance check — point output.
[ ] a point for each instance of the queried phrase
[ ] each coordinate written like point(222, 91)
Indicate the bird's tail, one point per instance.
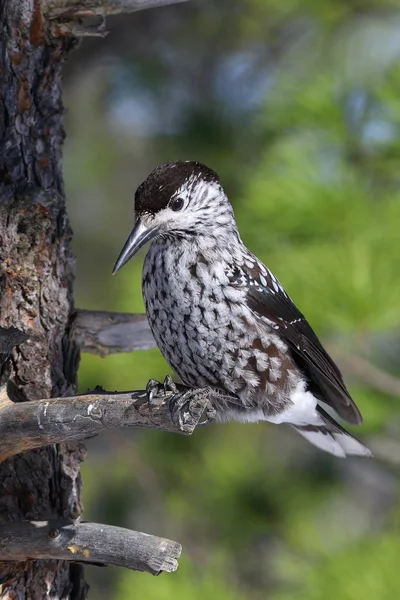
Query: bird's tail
point(332, 438)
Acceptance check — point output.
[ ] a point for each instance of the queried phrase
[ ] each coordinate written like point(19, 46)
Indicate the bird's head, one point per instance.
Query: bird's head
point(178, 199)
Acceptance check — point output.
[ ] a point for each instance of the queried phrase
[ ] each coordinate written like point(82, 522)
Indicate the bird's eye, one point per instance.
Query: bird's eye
point(176, 204)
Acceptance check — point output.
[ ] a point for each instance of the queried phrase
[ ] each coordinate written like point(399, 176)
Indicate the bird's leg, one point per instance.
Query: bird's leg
point(217, 398)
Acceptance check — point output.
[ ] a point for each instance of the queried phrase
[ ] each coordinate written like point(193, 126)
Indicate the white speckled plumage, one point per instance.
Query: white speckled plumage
point(203, 326)
point(222, 319)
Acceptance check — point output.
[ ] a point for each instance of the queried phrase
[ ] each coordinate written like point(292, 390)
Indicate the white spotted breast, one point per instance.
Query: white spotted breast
point(204, 328)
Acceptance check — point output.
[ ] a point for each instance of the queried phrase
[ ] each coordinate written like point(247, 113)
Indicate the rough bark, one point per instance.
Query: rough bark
point(37, 270)
point(36, 303)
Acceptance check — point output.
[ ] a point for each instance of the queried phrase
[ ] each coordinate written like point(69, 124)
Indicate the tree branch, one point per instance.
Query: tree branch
point(87, 17)
point(103, 333)
point(82, 8)
point(38, 423)
point(88, 542)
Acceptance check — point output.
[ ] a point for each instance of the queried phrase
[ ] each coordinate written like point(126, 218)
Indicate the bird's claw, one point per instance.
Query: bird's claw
point(169, 385)
point(152, 388)
point(210, 413)
point(155, 388)
point(183, 403)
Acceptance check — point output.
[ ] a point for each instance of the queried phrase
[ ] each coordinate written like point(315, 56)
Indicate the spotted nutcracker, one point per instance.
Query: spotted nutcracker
point(222, 319)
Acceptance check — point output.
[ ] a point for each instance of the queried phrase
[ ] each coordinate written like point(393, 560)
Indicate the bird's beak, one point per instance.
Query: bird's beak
point(138, 238)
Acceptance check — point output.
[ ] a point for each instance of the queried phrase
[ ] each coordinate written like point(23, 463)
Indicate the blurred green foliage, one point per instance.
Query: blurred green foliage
point(296, 105)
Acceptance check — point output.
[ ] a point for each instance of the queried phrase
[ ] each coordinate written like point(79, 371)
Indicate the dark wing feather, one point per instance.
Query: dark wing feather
point(324, 376)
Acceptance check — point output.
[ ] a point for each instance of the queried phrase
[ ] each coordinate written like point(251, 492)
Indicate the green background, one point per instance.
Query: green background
point(296, 104)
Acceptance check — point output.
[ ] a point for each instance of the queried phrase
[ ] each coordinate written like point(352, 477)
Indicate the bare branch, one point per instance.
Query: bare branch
point(38, 423)
point(80, 18)
point(103, 333)
point(73, 9)
point(88, 542)
point(363, 370)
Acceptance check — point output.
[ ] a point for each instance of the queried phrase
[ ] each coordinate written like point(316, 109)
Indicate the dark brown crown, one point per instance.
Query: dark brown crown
point(162, 184)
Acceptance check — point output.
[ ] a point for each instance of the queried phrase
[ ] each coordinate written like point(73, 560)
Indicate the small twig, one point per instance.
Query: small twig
point(88, 542)
point(363, 370)
point(103, 333)
point(38, 423)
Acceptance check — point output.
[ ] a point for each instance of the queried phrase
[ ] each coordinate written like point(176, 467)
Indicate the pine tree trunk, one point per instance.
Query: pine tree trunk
point(36, 277)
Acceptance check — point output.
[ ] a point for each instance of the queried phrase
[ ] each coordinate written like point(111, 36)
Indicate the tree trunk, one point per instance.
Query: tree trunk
point(36, 277)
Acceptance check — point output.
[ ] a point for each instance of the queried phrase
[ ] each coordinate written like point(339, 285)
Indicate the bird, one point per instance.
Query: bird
point(221, 318)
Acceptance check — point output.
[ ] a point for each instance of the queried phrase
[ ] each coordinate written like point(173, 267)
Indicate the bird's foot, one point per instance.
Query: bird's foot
point(186, 404)
point(155, 388)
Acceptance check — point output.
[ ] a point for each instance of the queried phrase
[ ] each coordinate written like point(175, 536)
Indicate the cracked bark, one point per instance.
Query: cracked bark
point(36, 276)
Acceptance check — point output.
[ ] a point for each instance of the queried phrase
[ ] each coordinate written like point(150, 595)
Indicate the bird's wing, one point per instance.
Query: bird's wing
point(267, 298)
